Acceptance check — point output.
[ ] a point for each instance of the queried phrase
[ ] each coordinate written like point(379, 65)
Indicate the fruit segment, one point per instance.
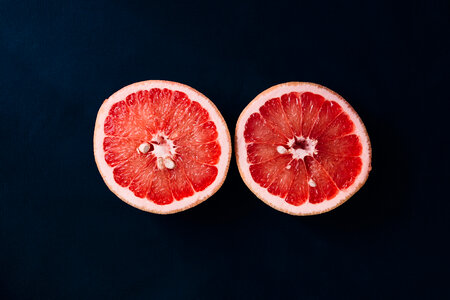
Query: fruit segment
point(159, 188)
point(203, 133)
point(161, 101)
point(283, 181)
point(266, 172)
point(162, 145)
point(302, 148)
point(257, 130)
point(200, 175)
point(121, 122)
point(180, 104)
point(258, 152)
point(341, 126)
point(140, 184)
point(321, 185)
point(118, 150)
point(343, 170)
point(292, 108)
point(272, 112)
point(311, 104)
point(208, 153)
point(328, 112)
point(348, 145)
point(129, 169)
point(186, 121)
point(299, 191)
point(181, 187)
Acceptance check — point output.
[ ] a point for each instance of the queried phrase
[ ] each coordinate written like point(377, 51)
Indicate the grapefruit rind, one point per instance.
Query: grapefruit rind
point(280, 203)
point(124, 193)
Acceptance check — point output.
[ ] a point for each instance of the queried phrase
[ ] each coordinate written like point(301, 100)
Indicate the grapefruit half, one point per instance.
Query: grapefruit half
point(302, 149)
point(161, 146)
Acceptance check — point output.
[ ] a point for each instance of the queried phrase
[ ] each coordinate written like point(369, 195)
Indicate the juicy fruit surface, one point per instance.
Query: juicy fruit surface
point(302, 148)
point(161, 145)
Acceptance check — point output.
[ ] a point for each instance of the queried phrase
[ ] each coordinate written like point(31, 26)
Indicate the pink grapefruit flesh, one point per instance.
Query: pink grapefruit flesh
point(161, 146)
point(302, 149)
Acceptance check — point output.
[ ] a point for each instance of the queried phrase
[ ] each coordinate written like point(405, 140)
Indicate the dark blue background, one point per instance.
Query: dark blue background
point(63, 234)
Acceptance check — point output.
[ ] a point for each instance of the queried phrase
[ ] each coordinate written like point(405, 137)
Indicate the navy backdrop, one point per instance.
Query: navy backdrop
point(64, 235)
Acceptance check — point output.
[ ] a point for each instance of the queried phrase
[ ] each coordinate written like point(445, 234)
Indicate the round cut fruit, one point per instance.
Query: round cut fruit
point(302, 149)
point(161, 146)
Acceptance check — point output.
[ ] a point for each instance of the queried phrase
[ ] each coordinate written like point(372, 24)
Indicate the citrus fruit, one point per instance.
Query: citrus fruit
point(161, 146)
point(301, 148)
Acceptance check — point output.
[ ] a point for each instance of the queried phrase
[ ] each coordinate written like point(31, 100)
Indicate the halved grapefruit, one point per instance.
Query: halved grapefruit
point(161, 146)
point(302, 149)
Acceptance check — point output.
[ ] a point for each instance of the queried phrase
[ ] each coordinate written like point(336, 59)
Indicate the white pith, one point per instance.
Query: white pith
point(276, 201)
point(162, 152)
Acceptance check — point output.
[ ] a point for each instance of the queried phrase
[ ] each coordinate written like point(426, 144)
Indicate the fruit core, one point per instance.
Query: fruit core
point(162, 148)
point(300, 147)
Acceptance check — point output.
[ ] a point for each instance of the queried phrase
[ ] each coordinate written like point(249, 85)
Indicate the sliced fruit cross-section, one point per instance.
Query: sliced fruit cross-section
point(302, 149)
point(161, 146)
